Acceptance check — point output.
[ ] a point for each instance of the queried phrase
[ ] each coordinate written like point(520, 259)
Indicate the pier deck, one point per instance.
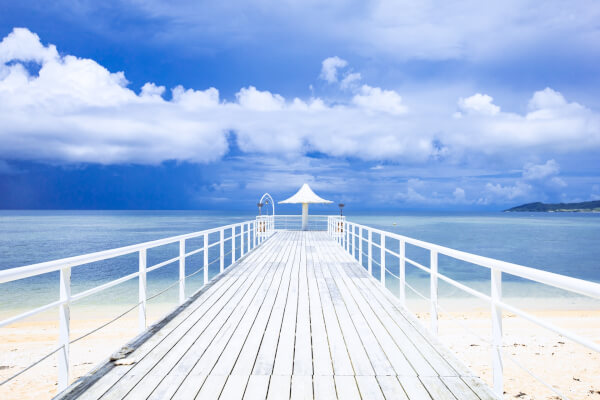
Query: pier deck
point(296, 318)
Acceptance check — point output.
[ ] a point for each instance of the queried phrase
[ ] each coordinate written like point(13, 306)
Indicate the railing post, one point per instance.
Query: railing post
point(352, 241)
point(370, 253)
point(402, 272)
point(255, 237)
point(142, 291)
point(497, 366)
point(347, 235)
point(248, 237)
point(222, 249)
point(64, 328)
point(433, 291)
point(382, 260)
point(181, 271)
point(205, 258)
point(232, 244)
point(242, 252)
point(360, 245)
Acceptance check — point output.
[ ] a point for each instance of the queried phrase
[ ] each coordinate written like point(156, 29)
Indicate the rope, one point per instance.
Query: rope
point(112, 320)
point(471, 332)
point(30, 366)
point(534, 376)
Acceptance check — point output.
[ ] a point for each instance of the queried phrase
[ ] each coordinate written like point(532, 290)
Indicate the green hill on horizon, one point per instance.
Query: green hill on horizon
point(586, 206)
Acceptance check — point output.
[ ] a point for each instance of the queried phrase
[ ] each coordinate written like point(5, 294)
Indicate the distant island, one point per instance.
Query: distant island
point(586, 206)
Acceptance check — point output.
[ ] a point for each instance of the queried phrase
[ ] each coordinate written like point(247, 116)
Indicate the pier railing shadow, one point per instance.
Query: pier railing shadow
point(372, 249)
point(212, 244)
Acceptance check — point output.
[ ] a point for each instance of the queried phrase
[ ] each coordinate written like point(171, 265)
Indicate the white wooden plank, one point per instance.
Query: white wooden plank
point(420, 339)
point(215, 339)
point(459, 388)
point(391, 388)
point(322, 362)
point(303, 364)
point(337, 346)
point(302, 387)
point(206, 347)
point(478, 386)
point(169, 377)
point(213, 385)
point(414, 388)
point(390, 347)
point(324, 387)
point(358, 355)
point(268, 349)
point(247, 357)
point(173, 330)
point(298, 305)
point(346, 387)
point(257, 387)
point(234, 387)
point(279, 387)
point(436, 388)
point(369, 388)
point(284, 358)
point(169, 352)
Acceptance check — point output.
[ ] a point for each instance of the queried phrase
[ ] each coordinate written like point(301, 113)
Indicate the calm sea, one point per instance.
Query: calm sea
point(567, 244)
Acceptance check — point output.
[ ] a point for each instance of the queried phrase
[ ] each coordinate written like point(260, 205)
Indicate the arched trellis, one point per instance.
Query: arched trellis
point(268, 196)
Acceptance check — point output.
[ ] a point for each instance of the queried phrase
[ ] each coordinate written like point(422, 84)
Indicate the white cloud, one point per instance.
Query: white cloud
point(479, 104)
point(253, 99)
point(75, 110)
point(552, 124)
point(376, 99)
point(547, 99)
point(541, 171)
point(459, 194)
point(499, 192)
point(151, 90)
point(350, 80)
point(329, 69)
point(22, 44)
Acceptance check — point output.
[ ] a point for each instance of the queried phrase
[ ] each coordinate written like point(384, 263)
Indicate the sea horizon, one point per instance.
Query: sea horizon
point(560, 243)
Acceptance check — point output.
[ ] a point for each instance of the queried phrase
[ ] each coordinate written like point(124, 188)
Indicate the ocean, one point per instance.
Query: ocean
point(565, 243)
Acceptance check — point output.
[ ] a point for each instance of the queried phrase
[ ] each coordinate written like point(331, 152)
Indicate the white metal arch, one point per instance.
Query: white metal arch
point(268, 196)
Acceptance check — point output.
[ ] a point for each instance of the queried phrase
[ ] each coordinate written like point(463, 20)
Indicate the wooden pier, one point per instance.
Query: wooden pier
point(295, 318)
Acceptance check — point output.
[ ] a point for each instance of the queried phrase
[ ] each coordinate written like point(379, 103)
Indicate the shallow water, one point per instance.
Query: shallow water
point(567, 244)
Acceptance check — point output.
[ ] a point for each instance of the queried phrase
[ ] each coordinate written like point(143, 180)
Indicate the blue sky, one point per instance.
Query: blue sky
point(384, 105)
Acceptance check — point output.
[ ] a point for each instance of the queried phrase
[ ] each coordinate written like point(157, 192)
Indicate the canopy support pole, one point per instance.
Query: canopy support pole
point(304, 216)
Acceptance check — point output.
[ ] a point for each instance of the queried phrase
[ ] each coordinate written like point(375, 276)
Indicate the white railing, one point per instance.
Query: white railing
point(294, 222)
point(242, 233)
point(354, 238)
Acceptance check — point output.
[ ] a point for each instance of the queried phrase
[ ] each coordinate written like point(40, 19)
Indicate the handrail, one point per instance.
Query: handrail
point(56, 265)
point(245, 233)
point(345, 233)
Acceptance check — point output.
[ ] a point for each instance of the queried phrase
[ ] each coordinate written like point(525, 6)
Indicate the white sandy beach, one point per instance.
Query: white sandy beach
point(569, 367)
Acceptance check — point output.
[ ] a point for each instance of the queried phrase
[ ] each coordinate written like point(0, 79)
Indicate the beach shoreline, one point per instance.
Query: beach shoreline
point(539, 349)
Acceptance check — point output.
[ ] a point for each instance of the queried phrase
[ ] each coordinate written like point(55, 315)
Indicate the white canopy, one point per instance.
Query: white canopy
point(305, 195)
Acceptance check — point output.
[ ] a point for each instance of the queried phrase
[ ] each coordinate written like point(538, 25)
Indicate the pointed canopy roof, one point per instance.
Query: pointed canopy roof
point(305, 195)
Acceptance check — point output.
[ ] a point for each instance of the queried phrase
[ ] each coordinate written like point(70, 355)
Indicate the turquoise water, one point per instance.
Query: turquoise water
point(567, 244)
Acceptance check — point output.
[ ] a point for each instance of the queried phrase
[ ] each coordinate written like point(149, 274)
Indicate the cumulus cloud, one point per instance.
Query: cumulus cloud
point(479, 104)
point(540, 171)
point(536, 180)
point(459, 194)
point(509, 192)
point(377, 99)
point(551, 124)
point(350, 80)
point(329, 68)
point(75, 110)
